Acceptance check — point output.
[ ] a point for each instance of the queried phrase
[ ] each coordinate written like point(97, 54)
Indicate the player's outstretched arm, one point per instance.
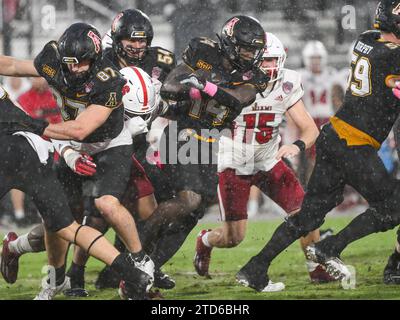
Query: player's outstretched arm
point(86, 122)
point(308, 131)
point(172, 88)
point(10, 66)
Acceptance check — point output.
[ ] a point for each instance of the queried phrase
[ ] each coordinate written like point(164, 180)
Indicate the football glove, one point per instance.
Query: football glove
point(80, 163)
point(194, 81)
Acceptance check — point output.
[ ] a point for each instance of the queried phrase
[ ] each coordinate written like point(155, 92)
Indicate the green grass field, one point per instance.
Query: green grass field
point(368, 256)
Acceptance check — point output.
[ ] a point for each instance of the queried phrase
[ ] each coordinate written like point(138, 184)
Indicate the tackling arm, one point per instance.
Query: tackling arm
point(10, 66)
point(302, 119)
point(86, 122)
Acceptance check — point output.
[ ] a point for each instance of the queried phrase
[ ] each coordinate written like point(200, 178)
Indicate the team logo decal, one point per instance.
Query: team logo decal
point(112, 101)
point(89, 87)
point(396, 10)
point(228, 29)
point(114, 24)
point(3, 93)
point(287, 87)
point(96, 41)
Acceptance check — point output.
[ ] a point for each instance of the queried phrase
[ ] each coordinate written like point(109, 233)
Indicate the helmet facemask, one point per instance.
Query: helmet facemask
point(273, 51)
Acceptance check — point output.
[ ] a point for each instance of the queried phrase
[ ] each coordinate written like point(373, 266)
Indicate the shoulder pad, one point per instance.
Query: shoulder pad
point(164, 57)
point(201, 53)
point(47, 61)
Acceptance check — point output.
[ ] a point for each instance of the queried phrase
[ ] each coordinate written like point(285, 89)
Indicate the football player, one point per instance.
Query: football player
point(209, 89)
point(252, 156)
point(347, 154)
point(88, 90)
point(128, 43)
point(33, 174)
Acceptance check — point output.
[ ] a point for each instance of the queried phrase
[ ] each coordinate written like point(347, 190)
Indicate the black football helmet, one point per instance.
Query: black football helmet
point(130, 24)
point(80, 42)
point(242, 32)
point(387, 17)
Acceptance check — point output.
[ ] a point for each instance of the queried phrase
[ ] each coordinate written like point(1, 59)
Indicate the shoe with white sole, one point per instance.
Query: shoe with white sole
point(48, 292)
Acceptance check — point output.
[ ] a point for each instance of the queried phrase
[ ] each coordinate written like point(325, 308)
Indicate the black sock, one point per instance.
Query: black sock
point(118, 244)
point(171, 241)
point(361, 226)
point(60, 275)
point(77, 275)
point(282, 238)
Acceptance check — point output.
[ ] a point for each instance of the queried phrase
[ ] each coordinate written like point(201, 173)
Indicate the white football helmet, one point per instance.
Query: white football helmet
point(312, 50)
point(273, 49)
point(140, 96)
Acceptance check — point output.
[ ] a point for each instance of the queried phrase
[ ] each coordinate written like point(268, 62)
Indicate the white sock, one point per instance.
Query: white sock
point(252, 208)
point(20, 245)
point(311, 265)
point(204, 238)
point(19, 214)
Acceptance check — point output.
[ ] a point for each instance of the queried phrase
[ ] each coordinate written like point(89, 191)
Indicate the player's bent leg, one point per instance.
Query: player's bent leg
point(76, 271)
point(15, 246)
point(119, 218)
point(56, 281)
point(136, 269)
point(144, 206)
point(229, 235)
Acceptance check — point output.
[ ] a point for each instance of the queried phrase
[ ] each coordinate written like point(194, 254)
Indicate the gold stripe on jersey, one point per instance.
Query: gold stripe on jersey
point(199, 137)
point(391, 79)
point(353, 136)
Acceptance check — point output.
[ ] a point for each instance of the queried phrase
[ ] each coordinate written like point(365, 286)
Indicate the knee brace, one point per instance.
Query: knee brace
point(36, 238)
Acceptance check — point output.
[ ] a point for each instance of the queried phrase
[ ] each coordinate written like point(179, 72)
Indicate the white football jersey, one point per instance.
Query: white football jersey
point(318, 92)
point(255, 139)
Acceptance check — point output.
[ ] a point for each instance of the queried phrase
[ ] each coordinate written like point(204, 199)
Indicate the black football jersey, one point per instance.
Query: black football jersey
point(157, 62)
point(105, 89)
point(207, 113)
point(369, 103)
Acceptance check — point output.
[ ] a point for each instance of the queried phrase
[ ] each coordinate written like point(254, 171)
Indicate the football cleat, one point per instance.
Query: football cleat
point(146, 265)
point(9, 261)
point(391, 274)
point(48, 292)
point(163, 281)
point(319, 275)
point(333, 265)
point(202, 256)
point(258, 283)
point(107, 279)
